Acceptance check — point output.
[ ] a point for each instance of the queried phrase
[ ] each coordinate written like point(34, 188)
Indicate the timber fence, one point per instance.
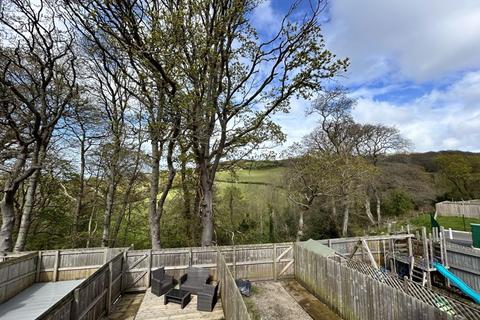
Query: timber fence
point(17, 274)
point(255, 262)
point(234, 307)
point(465, 263)
point(355, 295)
point(108, 272)
point(355, 292)
point(469, 209)
point(94, 297)
point(429, 296)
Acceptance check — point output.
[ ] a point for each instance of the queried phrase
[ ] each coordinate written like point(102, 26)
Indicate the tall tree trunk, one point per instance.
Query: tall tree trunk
point(7, 204)
point(27, 211)
point(346, 213)
point(230, 207)
point(171, 176)
point(90, 222)
point(121, 214)
point(187, 201)
point(154, 218)
point(334, 208)
point(8, 220)
point(300, 225)
point(90, 232)
point(126, 196)
point(127, 227)
point(271, 226)
point(206, 205)
point(37, 159)
point(80, 196)
point(379, 205)
point(196, 215)
point(368, 211)
point(107, 217)
point(187, 196)
point(20, 198)
point(112, 188)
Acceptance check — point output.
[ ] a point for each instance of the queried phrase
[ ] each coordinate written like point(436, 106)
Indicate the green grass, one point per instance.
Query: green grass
point(267, 176)
point(456, 223)
point(251, 306)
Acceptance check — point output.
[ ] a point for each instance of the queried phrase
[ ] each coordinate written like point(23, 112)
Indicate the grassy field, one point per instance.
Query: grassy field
point(457, 223)
point(273, 176)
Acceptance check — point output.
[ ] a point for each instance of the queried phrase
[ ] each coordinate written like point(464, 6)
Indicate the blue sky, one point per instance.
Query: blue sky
point(414, 65)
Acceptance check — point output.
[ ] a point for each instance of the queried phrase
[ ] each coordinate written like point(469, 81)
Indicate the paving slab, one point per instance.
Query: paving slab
point(153, 308)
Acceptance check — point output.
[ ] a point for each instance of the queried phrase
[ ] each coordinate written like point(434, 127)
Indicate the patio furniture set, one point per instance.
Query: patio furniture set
point(196, 281)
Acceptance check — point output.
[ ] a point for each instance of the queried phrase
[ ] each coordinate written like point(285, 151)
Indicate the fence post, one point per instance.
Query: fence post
point(274, 267)
point(105, 255)
point(426, 254)
point(149, 270)
point(124, 270)
point(55, 266)
point(75, 304)
point(39, 266)
point(234, 260)
point(109, 287)
point(190, 256)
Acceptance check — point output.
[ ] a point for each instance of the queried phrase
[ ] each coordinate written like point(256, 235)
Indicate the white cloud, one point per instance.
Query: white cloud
point(265, 18)
point(438, 120)
point(295, 123)
point(409, 39)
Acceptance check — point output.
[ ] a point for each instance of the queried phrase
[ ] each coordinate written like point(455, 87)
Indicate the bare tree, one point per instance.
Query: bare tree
point(84, 130)
point(144, 47)
point(378, 140)
point(205, 60)
point(110, 88)
point(38, 73)
point(339, 135)
point(310, 176)
point(134, 161)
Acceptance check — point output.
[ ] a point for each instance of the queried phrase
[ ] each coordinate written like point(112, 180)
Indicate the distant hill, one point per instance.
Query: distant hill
point(425, 159)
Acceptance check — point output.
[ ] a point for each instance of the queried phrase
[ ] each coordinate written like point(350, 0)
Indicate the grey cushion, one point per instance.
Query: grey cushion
point(194, 279)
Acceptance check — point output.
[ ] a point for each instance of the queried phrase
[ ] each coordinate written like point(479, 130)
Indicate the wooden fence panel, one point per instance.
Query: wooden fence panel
point(469, 209)
point(254, 262)
point(93, 297)
point(116, 270)
point(17, 274)
point(465, 263)
point(61, 310)
point(71, 264)
point(355, 295)
point(12, 255)
point(234, 307)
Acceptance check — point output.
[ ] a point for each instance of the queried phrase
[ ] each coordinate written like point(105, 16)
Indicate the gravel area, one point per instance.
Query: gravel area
point(270, 301)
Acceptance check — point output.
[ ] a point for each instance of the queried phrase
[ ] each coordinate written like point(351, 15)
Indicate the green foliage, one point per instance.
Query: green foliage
point(321, 225)
point(251, 210)
point(460, 175)
point(253, 197)
point(397, 203)
point(457, 223)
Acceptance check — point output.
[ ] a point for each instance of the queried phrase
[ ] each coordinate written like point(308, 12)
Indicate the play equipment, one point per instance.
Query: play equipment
point(433, 221)
point(475, 234)
point(457, 282)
